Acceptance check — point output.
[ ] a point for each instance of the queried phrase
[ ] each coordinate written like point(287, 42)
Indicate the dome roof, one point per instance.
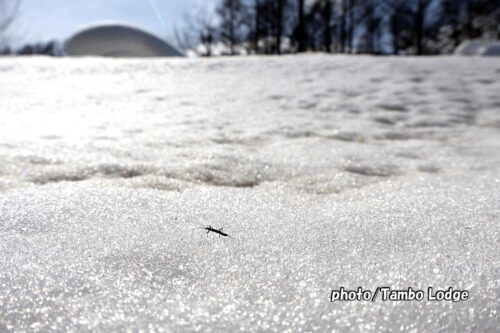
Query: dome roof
point(112, 39)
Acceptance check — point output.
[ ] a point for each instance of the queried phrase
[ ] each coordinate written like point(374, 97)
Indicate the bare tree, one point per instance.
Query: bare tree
point(396, 16)
point(408, 26)
point(272, 24)
point(352, 6)
point(326, 15)
point(255, 25)
point(372, 18)
point(279, 22)
point(8, 12)
point(197, 33)
point(421, 12)
point(301, 26)
point(343, 20)
point(232, 16)
point(184, 38)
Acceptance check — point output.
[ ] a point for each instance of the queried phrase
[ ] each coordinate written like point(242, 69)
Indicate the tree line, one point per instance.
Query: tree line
point(51, 48)
point(338, 26)
point(9, 10)
point(342, 26)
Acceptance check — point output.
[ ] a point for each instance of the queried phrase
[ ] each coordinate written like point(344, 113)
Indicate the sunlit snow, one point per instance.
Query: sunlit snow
point(326, 171)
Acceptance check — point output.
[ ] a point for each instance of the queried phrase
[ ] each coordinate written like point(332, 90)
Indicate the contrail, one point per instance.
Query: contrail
point(157, 12)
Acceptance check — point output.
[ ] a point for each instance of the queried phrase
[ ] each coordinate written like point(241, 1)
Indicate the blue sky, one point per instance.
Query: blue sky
point(42, 20)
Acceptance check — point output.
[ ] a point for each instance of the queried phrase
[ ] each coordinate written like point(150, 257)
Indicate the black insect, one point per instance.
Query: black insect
point(217, 231)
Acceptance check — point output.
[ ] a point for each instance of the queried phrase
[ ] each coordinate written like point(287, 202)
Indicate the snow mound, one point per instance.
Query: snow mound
point(479, 48)
point(491, 50)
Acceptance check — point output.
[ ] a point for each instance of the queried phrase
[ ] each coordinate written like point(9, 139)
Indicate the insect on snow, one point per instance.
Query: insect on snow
point(217, 231)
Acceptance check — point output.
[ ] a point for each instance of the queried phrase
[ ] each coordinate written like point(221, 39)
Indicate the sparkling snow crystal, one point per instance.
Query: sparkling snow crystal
point(326, 171)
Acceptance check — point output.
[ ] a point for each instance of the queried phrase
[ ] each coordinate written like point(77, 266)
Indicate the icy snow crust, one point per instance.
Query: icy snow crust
point(326, 171)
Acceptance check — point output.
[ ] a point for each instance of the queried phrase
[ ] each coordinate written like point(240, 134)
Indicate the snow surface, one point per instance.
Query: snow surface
point(327, 172)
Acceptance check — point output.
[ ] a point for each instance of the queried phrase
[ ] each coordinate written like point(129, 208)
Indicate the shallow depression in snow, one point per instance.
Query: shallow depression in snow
point(326, 171)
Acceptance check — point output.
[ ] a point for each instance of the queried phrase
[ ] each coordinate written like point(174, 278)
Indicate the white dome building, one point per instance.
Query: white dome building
point(118, 40)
